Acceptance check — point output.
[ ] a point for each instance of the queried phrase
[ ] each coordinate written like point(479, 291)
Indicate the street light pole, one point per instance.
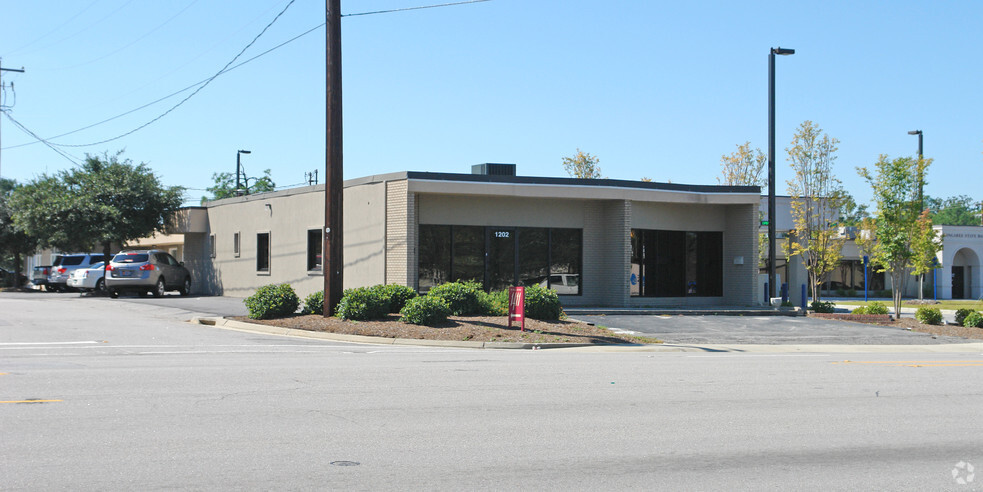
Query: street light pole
point(921, 177)
point(771, 167)
point(239, 169)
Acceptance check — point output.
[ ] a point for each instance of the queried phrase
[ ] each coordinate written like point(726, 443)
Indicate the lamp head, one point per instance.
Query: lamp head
point(782, 51)
point(915, 132)
point(245, 152)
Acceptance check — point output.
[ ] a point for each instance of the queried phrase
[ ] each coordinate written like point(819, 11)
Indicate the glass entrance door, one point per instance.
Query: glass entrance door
point(958, 291)
point(501, 257)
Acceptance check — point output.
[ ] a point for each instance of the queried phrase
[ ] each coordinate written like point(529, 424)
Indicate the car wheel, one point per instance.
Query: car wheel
point(100, 286)
point(113, 293)
point(159, 291)
point(185, 287)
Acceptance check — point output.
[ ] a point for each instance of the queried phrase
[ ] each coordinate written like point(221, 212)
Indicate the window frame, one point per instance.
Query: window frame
point(269, 253)
point(236, 250)
point(319, 268)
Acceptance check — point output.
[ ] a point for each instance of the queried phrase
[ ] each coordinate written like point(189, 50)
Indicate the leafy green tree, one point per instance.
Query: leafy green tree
point(817, 196)
point(744, 167)
point(225, 185)
point(582, 165)
point(15, 243)
point(895, 186)
point(852, 214)
point(954, 210)
point(926, 244)
point(105, 200)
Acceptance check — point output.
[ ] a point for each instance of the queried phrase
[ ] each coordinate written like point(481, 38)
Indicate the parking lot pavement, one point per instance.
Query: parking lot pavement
point(774, 330)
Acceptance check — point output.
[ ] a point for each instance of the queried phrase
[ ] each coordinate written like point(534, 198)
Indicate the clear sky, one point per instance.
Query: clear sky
point(654, 89)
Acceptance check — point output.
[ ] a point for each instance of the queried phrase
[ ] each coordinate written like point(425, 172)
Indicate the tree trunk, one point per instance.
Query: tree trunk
point(17, 269)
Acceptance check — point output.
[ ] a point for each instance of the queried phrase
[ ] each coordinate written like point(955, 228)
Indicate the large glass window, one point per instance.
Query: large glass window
point(435, 255)
point(676, 263)
point(565, 260)
point(499, 257)
point(468, 254)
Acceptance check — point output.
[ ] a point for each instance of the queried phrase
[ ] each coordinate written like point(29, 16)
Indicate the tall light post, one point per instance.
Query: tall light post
point(771, 167)
point(921, 178)
point(239, 169)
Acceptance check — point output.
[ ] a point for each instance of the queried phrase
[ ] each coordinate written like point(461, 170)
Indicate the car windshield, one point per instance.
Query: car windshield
point(72, 260)
point(98, 266)
point(130, 258)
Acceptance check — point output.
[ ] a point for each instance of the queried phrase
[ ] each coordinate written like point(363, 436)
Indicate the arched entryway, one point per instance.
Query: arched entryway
point(965, 268)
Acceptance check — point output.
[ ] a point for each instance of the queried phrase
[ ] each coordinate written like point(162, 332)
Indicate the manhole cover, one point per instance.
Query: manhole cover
point(345, 463)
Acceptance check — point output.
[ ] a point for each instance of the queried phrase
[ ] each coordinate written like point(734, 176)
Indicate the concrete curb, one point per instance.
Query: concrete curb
point(229, 324)
point(963, 348)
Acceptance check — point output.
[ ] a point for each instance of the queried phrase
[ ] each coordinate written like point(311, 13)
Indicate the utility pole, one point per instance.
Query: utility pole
point(333, 176)
point(11, 84)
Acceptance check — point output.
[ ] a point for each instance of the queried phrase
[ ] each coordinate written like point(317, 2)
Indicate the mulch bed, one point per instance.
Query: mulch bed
point(907, 324)
point(459, 328)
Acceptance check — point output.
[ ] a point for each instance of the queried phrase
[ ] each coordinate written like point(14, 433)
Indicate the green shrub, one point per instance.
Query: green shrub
point(823, 307)
point(395, 295)
point(272, 301)
point(314, 303)
point(542, 303)
point(425, 310)
point(874, 307)
point(498, 303)
point(464, 299)
point(974, 320)
point(961, 315)
point(929, 315)
point(361, 304)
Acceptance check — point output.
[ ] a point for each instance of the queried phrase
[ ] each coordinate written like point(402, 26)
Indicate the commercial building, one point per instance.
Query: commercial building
point(596, 242)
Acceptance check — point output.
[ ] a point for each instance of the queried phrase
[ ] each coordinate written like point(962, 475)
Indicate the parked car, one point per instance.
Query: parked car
point(563, 283)
point(144, 271)
point(91, 278)
point(39, 276)
point(66, 264)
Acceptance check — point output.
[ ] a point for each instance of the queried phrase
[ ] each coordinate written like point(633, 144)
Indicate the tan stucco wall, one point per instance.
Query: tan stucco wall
point(287, 216)
point(500, 211)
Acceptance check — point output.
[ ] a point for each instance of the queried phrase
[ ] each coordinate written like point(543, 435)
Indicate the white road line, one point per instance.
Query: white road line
point(46, 343)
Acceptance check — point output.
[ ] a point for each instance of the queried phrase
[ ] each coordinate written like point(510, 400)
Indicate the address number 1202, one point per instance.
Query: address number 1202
point(502, 234)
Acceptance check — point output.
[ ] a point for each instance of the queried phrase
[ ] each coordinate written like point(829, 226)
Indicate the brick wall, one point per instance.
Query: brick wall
point(606, 254)
point(401, 230)
point(741, 240)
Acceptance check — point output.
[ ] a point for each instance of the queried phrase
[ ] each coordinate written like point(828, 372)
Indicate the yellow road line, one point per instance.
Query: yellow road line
point(29, 401)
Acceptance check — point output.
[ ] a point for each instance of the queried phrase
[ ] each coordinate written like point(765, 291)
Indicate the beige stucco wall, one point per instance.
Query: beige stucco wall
point(500, 211)
point(287, 216)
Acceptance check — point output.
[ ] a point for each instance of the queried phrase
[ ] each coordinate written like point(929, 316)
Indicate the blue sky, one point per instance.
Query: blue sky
point(654, 89)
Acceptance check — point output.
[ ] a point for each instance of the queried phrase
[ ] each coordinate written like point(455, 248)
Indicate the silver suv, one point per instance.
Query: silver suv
point(148, 270)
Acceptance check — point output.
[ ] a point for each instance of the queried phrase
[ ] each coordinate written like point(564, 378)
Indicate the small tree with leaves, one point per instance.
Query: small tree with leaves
point(744, 167)
point(225, 185)
point(895, 186)
point(15, 243)
point(582, 165)
point(817, 196)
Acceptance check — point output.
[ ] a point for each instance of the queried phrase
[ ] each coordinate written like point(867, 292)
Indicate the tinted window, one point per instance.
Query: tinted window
point(263, 252)
point(131, 258)
point(435, 255)
point(98, 266)
point(72, 260)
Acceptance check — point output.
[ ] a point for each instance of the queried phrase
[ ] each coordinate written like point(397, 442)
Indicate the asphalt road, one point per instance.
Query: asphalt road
point(778, 330)
point(99, 395)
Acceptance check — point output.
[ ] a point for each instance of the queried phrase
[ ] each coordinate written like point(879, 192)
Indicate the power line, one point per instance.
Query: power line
point(39, 139)
point(196, 91)
point(196, 84)
point(413, 8)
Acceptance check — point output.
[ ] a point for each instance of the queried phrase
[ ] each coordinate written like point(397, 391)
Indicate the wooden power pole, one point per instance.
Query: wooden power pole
point(333, 262)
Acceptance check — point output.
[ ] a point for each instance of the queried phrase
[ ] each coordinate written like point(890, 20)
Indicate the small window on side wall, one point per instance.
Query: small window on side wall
point(314, 250)
point(211, 246)
point(235, 245)
point(263, 252)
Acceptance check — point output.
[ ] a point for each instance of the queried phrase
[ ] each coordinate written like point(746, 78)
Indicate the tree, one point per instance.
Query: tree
point(851, 213)
point(582, 165)
point(926, 244)
point(955, 210)
point(744, 167)
point(817, 196)
point(225, 185)
point(15, 243)
point(895, 186)
point(105, 200)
